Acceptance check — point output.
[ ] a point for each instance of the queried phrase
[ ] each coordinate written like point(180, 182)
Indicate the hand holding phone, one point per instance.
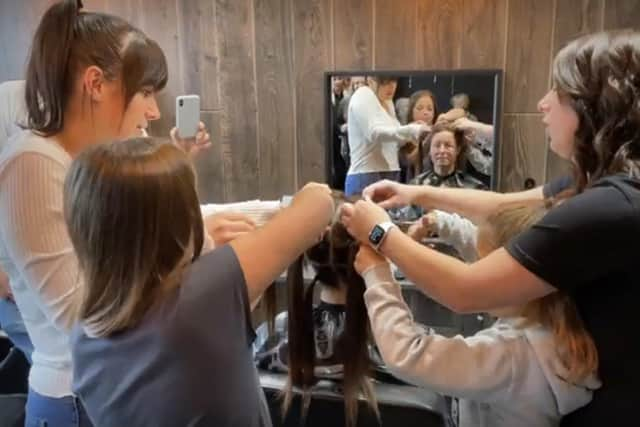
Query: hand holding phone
point(187, 115)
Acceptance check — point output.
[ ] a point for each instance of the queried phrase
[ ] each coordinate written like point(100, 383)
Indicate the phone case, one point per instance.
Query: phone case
point(187, 115)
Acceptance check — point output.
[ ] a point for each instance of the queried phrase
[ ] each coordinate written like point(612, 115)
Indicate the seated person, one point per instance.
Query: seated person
point(339, 345)
point(445, 147)
point(444, 162)
point(536, 364)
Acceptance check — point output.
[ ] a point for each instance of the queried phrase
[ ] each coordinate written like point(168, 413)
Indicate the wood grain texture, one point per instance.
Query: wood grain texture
point(619, 14)
point(238, 99)
point(198, 56)
point(528, 59)
point(575, 18)
point(312, 53)
point(209, 165)
point(483, 38)
point(395, 34)
point(440, 31)
point(274, 72)
point(523, 150)
point(353, 34)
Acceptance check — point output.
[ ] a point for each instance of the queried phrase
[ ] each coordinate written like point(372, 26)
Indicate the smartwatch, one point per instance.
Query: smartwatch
point(379, 232)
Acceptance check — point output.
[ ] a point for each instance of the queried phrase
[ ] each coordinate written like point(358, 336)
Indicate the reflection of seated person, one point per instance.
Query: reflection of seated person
point(375, 134)
point(480, 138)
point(328, 340)
point(445, 149)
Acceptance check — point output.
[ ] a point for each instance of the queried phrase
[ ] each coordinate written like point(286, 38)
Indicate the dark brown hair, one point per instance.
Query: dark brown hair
point(416, 96)
point(556, 312)
point(68, 41)
point(425, 144)
point(599, 75)
point(332, 260)
point(134, 219)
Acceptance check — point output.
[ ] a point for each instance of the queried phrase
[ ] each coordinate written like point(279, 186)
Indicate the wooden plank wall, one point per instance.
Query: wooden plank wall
point(258, 66)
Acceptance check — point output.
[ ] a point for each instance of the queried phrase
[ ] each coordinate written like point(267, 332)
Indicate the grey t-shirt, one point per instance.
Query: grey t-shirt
point(189, 363)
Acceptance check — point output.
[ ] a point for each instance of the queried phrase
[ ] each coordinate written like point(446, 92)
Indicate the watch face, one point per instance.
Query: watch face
point(376, 235)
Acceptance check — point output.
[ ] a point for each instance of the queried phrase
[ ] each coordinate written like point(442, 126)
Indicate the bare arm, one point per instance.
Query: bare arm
point(267, 252)
point(492, 282)
point(495, 281)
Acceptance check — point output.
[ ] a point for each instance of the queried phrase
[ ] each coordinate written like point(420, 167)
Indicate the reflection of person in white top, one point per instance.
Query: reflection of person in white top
point(375, 135)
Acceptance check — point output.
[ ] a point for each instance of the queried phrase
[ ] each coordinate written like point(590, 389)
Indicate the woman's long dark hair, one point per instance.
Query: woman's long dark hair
point(332, 260)
point(69, 40)
point(599, 75)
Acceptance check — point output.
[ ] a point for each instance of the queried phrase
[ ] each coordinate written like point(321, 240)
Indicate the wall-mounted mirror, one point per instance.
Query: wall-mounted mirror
point(426, 127)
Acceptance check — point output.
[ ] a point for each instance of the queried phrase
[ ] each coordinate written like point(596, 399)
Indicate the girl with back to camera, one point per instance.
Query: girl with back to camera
point(165, 334)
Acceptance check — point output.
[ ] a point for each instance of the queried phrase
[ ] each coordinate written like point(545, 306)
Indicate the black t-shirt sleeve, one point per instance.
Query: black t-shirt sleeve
point(215, 292)
point(582, 240)
point(557, 186)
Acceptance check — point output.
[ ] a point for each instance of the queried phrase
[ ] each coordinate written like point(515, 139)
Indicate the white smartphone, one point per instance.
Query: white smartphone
point(187, 115)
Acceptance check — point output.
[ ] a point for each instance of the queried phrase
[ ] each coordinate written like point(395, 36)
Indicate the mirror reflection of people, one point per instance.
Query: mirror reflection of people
point(586, 246)
point(375, 134)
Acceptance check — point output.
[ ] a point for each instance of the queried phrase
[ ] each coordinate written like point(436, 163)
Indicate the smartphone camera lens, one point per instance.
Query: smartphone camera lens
point(181, 102)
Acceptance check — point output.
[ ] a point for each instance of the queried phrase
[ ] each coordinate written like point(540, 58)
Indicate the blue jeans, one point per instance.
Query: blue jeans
point(43, 411)
point(11, 322)
point(354, 184)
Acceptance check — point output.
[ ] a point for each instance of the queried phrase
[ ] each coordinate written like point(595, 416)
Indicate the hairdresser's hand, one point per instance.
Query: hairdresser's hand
point(192, 146)
point(361, 217)
point(465, 124)
point(367, 258)
point(227, 226)
point(314, 192)
point(451, 115)
point(5, 290)
point(390, 194)
point(423, 228)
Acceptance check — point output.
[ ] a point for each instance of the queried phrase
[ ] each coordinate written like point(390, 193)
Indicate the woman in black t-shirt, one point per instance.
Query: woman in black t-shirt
point(586, 246)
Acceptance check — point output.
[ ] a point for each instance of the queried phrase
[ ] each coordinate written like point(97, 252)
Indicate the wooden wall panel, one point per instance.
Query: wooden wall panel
point(353, 34)
point(234, 21)
point(312, 53)
point(440, 31)
point(528, 58)
point(209, 165)
point(575, 18)
point(620, 14)
point(483, 37)
point(523, 151)
point(274, 72)
point(198, 55)
point(395, 34)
